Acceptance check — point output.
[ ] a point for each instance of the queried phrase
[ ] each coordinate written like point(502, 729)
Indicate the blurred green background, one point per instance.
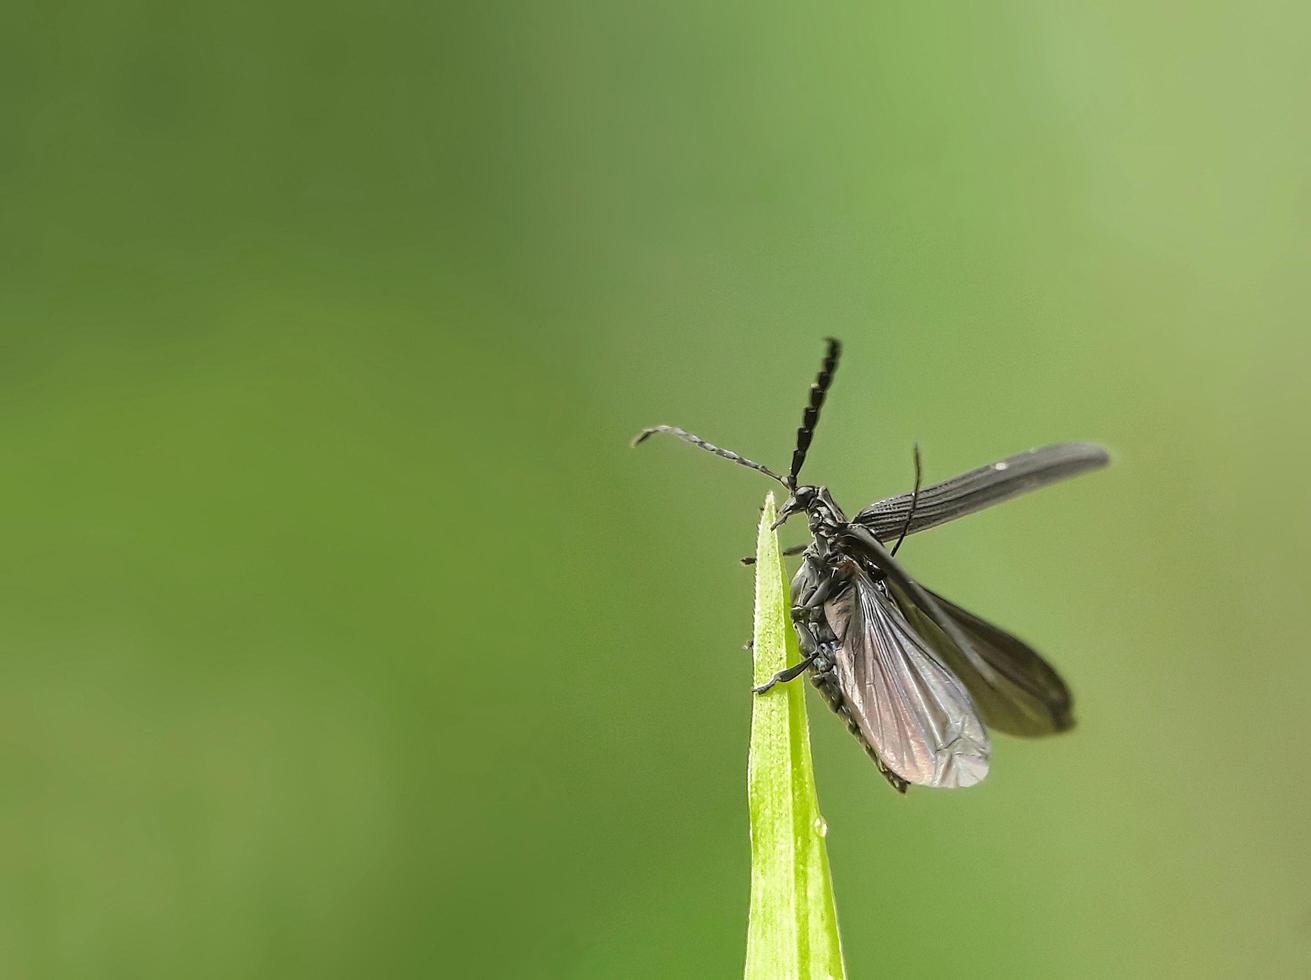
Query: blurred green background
point(342, 634)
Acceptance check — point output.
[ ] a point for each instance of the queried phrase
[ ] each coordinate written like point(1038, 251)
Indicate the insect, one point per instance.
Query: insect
point(918, 680)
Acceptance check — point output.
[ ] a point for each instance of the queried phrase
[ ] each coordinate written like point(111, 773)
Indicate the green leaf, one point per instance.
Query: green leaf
point(793, 927)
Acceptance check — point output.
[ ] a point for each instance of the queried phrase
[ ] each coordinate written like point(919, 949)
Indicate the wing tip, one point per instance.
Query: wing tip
point(1091, 454)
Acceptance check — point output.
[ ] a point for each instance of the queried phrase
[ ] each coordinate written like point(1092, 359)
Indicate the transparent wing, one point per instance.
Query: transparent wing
point(911, 709)
point(1020, 695)
point(981, 488)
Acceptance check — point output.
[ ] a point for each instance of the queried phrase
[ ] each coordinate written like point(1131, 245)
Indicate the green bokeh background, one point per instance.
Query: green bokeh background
point(342, 635)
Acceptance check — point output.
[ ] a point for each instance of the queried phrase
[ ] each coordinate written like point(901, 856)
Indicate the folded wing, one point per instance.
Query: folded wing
point(907, 703)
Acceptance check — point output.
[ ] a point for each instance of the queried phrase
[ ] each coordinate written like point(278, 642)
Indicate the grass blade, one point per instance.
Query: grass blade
point(792, 931)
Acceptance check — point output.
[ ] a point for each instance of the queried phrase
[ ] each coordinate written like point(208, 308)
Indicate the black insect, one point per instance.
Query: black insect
point(918, 679)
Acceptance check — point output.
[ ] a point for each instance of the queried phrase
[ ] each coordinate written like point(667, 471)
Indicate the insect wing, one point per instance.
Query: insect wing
point(1020, 695)
point(910, 708)
point(862, 542)
point(980, 488)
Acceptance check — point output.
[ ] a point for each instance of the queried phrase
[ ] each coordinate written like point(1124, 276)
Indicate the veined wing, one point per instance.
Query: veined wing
point(1020, 695)
point(981, 488)
point(910, 708)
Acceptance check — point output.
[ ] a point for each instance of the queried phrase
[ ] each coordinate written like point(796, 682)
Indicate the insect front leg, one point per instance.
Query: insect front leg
point(808, 602)
point(811, 589)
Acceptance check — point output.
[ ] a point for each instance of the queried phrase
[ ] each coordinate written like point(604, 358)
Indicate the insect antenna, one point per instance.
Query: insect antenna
point(709, 447)
point(914, 499)
point(811, 418)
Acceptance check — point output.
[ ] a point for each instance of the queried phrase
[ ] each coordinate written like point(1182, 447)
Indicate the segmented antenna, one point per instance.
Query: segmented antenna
point(914, 499)
point(811, 417)
point(709, 447)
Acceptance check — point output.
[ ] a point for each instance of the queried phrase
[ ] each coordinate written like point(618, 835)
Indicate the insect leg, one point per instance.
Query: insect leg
point(808, 607)
point(796, 549)
point(783, 676)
